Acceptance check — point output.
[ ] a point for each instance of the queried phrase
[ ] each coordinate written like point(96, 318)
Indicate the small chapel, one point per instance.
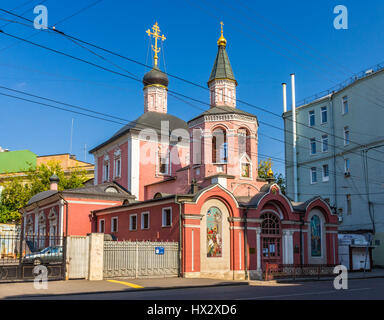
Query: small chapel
point(196, 182)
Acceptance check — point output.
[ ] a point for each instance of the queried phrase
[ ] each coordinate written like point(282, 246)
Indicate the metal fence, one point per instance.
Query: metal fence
point(127, 259)
point(294, 271)
point(20, 255)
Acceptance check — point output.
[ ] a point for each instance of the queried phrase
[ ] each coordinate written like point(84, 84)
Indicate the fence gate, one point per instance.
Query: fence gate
point(25, 257)
point(77, 256)
point(140, 259)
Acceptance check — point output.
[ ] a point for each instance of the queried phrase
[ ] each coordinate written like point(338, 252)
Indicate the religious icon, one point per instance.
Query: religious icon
point(315, 237)
point(214, 241)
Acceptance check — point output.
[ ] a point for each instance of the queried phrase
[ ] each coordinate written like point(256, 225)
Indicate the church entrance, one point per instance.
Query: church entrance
point(270, 239)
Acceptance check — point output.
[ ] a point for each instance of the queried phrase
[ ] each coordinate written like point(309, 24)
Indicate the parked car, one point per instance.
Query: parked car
point(53, 254)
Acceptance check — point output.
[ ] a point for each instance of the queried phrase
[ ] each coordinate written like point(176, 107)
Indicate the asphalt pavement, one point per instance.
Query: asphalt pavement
point(358, 289)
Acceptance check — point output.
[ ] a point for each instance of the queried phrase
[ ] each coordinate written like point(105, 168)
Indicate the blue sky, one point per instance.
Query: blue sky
point(266, 42)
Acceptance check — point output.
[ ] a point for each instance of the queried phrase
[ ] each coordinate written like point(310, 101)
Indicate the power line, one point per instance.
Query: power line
point(198, 85)
point(136, 79)
point(142, 124)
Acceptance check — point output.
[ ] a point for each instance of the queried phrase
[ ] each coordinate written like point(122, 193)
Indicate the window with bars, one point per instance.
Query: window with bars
point(270, 224)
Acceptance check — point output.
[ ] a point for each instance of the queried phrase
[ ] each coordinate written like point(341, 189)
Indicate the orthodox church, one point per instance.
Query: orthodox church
point(197, 183)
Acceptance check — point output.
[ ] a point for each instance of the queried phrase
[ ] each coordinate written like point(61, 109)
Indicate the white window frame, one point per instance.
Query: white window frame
point(344, 102)
point(324, 137)
point(100, 225)
point(163, 216)
point(130, 222)
point(117, 224)
point(117, 172)
point(311, 141)
point(325, 178)
point(246, 160)
point(324, 110)
point(106, 163)
point(311, 175)
point(142, 220)
point(310, 114)
point(345, 130)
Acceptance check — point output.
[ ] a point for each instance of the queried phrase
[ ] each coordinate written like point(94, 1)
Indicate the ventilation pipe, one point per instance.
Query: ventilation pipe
point(284, 96)
point(294, 137)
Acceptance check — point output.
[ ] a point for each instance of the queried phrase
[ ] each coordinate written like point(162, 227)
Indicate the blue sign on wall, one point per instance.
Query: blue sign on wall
point(159, 250)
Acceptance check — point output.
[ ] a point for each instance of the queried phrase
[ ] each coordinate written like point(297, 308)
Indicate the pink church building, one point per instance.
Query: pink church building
point(197, 182)
point(161, 178)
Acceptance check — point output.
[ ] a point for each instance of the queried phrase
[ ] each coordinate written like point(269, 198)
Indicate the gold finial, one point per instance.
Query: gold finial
point(222, 41)
point(270, 172)
point(156, 35)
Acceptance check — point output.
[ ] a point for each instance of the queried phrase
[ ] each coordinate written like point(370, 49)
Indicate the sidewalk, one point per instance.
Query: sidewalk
point(23, 289)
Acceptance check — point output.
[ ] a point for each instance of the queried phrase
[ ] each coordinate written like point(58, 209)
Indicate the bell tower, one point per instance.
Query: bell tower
point(222, 83)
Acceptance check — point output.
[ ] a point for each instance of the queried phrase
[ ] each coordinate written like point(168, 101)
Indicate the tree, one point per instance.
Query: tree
point(264, 167)
point(18, 191)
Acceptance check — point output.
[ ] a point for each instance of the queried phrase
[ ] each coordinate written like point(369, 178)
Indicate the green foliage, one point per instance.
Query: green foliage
point(264, 167)
point(18, 191)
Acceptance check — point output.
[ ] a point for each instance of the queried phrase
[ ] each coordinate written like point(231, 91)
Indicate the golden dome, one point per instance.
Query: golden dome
point(222, 41)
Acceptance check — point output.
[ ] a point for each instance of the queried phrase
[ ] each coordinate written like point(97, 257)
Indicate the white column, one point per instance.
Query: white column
point(258, 248)
point(290, 246)
point(284, 247)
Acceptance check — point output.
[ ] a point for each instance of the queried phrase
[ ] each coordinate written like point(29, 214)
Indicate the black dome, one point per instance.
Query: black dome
point(155, 76)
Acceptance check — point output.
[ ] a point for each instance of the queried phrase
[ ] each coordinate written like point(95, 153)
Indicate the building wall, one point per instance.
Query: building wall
point(364, 120)
point(155, 232)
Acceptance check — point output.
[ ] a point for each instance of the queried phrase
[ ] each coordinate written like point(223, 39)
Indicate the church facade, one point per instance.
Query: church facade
point(160, 178)
point(197, 183)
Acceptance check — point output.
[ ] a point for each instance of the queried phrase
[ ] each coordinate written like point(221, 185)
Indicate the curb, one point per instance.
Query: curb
point(325, 279)
point(127, 290)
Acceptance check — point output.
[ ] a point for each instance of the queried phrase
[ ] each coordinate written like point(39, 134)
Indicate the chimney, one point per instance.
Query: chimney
point(54, 182)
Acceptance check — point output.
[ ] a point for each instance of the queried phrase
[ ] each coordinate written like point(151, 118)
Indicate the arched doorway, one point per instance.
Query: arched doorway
point(271, 251)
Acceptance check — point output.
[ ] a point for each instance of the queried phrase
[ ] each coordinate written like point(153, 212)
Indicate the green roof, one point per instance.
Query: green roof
point(16, 161)
point(222, 67)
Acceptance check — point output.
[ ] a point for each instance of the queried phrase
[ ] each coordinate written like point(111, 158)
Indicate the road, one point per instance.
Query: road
point(366, 289)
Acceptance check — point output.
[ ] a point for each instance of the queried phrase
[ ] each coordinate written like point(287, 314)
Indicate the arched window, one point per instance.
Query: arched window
point(270, 224)
point(214, 234)
point(52, 218)
point(315, 236)
point(244, 142)
point(106, 168)
point(219, 146)
point(271, 237)
point(42, 230)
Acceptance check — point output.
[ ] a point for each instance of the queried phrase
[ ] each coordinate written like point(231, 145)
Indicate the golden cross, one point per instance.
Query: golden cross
point(221, 22)
point(156, 35)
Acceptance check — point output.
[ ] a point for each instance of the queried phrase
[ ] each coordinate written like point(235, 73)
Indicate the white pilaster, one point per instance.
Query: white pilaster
point(258, 248)
point(287, 247)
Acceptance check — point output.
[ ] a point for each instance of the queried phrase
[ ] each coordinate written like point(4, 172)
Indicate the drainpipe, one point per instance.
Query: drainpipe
point(334, 150)
point(301, 241)
point(180, 245)
point(245, 244)
point(64, 241)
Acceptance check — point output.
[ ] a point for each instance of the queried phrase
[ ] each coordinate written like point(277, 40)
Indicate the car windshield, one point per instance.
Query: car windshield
point(45, 250)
